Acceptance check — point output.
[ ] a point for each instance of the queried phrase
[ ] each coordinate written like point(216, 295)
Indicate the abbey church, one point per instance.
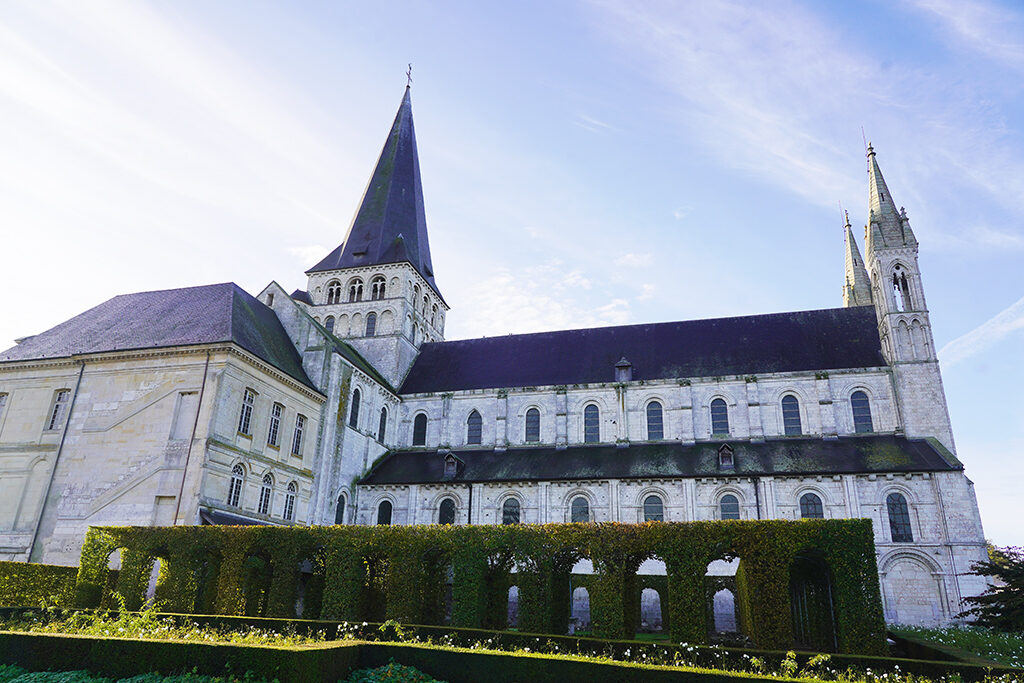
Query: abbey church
point(343, 404)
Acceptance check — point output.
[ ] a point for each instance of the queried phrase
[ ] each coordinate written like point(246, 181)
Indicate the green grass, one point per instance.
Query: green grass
point(1005, 648)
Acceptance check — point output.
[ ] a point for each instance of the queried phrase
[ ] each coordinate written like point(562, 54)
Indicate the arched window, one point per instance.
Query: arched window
point(532, 425)
point(265, 492)
point(655, 425)
point(791, 415)
point(861, 412)
point(719, 417)
point(377, 287)
point(383, 424)
point(901, 290)
point(654, 509)
point(810, 507)
point(339, 512)
point(235, 486)
point(729, 507)
point(510, 511)
point(371, 324)
point(426, 302)
point(579, 510)
point(353, 413)
point(591, 424)
point(355, 290)
point(419, 430)
point(334, 292)
point(384, 513)
point(474, 428)
point(446, 512)
point(289, 501)
point(899, 518)
point(433, 316)
point(329, 324)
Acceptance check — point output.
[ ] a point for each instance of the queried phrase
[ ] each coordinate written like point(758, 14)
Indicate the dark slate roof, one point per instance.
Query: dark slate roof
point(828, 339)
point(390, 225)
point(209, 516)
point(168, 318)
point(790, 456)
point(302, 295)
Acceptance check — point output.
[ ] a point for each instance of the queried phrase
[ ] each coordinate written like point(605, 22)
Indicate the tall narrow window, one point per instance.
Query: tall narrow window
point(810, 507)
point(655, 423)
point(382, 427)
point(729, 507)
point(266, 490)
point(510, 511)
point(446, 512)
point(371, 324)
point(579, 510)
point(719, 417)
point(899, 518)
point(654, 509)
point(591, 424)
point(334, 292)
point(329, 324)
point(861, 412)
point(245, 418)
point(300, 427)
point(274, 430)
point(235, 485)
point(355, 290)
point(58, 413)
point(3, 403)
point(384, 513)
point(353, 413)
point(532, 425)
point(791, 415)
point(901, 290)
point(289, 502)
point(377, 287)
point(426, 302)
point(474, 428)
point(419, 430)
point(433, 316)
point(339, 512)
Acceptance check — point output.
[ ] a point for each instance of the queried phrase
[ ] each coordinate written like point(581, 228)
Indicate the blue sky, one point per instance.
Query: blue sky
point(584, 163)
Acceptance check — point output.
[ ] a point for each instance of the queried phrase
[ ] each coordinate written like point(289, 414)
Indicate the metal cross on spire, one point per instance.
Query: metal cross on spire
point(408, 76)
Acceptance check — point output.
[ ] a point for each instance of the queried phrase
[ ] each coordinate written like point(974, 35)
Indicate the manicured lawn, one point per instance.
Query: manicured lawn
point(1005, 648)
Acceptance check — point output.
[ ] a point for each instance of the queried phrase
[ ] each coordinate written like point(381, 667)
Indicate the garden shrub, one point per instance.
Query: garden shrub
point(374, 573)
point(23, 584)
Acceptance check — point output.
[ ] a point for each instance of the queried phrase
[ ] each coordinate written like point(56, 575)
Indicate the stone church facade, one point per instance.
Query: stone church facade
point(342, 403)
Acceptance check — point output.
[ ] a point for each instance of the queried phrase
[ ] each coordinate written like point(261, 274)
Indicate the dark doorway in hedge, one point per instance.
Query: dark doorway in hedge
point(309, 593)
point(373, 601)
point(722, 604)
point(813, 609)
point(256, 578)
point(205, 575)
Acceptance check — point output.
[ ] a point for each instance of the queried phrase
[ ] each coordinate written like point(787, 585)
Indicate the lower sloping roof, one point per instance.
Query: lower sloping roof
point(789, 456)
point(168, 318)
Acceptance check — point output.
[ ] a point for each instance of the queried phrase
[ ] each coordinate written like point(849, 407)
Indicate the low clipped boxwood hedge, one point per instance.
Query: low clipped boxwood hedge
point(362, 573)
point(30, 584)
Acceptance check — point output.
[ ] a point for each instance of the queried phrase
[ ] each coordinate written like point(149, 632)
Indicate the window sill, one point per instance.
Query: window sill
point(273, 447)
point(248, 436)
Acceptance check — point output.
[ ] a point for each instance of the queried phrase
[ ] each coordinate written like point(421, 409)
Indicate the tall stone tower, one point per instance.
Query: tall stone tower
point(898, 296)
point(376, 289)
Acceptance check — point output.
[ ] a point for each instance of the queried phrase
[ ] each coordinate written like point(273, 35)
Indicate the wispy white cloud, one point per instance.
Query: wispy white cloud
point(994, 31)
point(590, 123)
point(633, 260)
point(985, 336)
point(309, 254)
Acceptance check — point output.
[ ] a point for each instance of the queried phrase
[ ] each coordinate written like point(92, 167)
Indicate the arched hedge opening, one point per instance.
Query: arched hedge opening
point(371, 573)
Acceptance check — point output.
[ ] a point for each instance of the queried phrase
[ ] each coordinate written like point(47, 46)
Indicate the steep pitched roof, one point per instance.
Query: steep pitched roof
point(805, 456)
point(806, 340)
point(390, 225)
point(857, 288)
point(887, 227)
point(169, 318)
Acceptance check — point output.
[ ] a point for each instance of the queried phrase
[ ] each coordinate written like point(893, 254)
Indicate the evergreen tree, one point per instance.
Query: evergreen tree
point(1002, 605)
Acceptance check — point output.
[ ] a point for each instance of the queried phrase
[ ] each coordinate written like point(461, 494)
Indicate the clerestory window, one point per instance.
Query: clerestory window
point(474, 428)
point(419, 430)
point(719, 417)
point(655, 422)
point(532, 425)
point(591, 424)
point(791, 415)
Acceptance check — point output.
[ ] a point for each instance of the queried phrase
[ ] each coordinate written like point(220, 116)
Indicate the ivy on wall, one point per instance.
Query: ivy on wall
point(404, 573)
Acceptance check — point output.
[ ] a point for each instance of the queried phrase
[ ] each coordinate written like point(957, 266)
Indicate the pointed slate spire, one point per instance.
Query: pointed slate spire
point(390, 225)
point(857, 289)
point(887, 227)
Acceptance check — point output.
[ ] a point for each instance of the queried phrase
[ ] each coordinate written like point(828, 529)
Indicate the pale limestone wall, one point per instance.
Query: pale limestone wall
point(754, 409)
point(127, 440)
point(922, 581)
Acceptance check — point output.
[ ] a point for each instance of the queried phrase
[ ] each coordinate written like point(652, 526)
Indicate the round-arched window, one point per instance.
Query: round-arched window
point(791, 415)
point(655, 422)
point(591, 424)
point(579, 510)
point(474, 428)
point(384, 513)
point(419, 430)
point(719, 417)
point(510, 511)
point(532, 425)
point(729, 507)
point(811, 507)
point(446, 512)
point(654, 509)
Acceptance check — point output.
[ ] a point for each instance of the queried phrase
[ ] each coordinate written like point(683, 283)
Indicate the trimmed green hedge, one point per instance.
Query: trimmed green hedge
point(23, 584)
point(371, 573)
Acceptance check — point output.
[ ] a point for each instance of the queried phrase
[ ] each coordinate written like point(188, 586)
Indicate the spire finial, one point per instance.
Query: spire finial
point(847, 214)
point(871, 150)
point(408, 76)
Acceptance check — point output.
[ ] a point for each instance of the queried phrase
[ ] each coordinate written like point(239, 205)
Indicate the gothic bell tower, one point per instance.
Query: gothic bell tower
point(376, 290)
point(897, 293)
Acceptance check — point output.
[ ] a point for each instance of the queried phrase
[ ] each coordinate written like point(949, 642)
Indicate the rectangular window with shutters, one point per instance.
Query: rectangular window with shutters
point(184, 415)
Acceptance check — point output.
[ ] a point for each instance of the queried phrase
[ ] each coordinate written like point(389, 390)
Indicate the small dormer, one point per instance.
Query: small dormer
point(725, 457)
point(623, 371)
point(452, 466)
